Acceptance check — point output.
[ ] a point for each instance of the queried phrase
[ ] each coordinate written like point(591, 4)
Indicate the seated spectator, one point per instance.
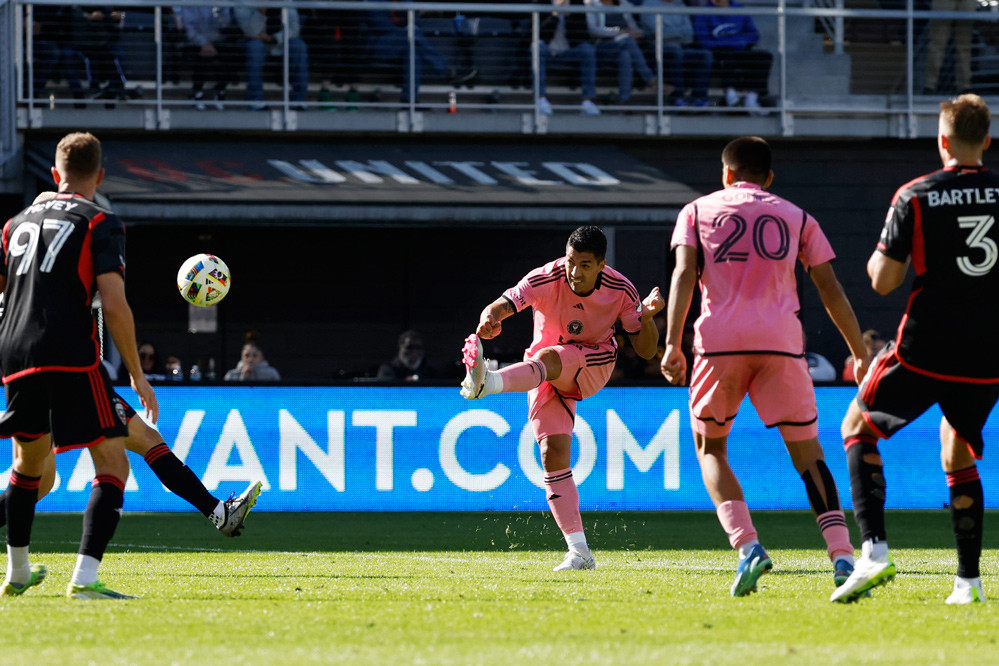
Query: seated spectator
point(149, 359)
point(686, 68)
point(215, 40)
point(739, 67)
point(618, 48)
point(252, 366)
point(409, 363)
point(874, 343)
point(265, 37)
point(388, 42)
point(819, 367)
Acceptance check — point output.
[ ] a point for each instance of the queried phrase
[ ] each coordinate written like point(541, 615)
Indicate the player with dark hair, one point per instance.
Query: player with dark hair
point(577, 300)
point(944, 224)
point(56, 256)
point(227, 516)
point(742, 244)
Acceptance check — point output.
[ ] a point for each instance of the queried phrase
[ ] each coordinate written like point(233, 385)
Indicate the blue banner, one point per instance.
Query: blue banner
point(374, 448)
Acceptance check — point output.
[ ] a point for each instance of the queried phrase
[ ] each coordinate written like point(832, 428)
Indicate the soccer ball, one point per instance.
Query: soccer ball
point(203, 280)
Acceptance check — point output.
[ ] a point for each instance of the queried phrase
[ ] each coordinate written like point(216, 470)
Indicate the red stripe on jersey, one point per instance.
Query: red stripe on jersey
point(101, 401)
point(108, 478)
point(85, 269)
point(918, 239)
point(902, 190)
point(49, 368)
point(949, 378)
point(874, 375)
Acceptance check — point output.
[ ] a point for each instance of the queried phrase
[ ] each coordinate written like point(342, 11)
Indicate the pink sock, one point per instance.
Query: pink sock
point(563, 498)
point(835, 532)
point(523, 376)
point(735, 520)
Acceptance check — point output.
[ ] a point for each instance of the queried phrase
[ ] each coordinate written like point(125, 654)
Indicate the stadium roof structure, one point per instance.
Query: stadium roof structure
point(311, 182)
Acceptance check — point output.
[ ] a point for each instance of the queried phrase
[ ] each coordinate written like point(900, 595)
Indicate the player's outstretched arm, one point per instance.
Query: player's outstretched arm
point(646, 341)
point(118, 316)
point(681, 292)
point(841, 312)
point(491, 319)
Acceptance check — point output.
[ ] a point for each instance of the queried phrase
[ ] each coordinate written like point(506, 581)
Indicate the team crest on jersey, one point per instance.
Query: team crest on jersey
point(119, 410)
point(575, 327)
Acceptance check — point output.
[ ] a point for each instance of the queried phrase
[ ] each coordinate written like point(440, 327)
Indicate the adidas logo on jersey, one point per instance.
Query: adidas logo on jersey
point(577, 306)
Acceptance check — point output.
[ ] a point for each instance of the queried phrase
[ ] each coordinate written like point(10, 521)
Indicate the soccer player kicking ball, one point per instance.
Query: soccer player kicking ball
point(944, 223)
point(577, 300)
point(742, 243)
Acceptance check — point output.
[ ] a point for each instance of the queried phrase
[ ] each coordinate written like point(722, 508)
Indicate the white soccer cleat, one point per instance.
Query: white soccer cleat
point(236, 509)
point(966, 591)
point(868, 573)
point(475, 368)
point(575, 560)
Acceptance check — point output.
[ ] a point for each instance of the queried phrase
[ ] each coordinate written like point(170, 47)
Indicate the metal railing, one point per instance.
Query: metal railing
point(835, 71)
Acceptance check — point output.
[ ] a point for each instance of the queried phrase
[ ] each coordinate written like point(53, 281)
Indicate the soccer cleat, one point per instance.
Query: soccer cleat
point(38, 573)
point(95, 590)
point(868, 573)
point(966, 591)
point(841, 571)
point(475, 368)
point(236, 509)
point(574, 560)
point(750, 569)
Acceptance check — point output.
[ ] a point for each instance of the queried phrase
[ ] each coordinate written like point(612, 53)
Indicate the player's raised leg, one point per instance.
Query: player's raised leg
point(480, 381)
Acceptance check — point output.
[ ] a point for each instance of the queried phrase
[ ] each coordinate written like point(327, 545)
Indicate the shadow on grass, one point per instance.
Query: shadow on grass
point(475, 531)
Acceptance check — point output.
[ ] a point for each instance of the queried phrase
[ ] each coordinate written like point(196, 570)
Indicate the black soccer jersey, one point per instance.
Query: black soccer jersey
point(52, 254)
point(946, 222)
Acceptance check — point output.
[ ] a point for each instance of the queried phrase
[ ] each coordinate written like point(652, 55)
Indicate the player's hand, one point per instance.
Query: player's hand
point(147, 396)
point(861, 364)
point(653, 303)
point(489, 327)
point(674, 366)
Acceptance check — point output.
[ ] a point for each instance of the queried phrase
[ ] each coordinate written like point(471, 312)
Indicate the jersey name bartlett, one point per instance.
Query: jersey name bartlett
point(963, 196)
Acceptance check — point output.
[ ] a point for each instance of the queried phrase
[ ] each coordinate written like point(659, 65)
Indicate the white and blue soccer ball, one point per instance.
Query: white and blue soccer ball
point(203, 280)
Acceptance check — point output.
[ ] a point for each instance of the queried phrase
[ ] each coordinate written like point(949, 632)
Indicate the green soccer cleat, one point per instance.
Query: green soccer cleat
point(38, 573)
point(750, 569)
point(95, 590)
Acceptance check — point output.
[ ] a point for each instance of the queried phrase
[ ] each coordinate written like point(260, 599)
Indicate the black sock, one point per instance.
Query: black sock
point(967, 512)
point(22, 494)
point(102, 515)
point(179, 478)
point(867, 485)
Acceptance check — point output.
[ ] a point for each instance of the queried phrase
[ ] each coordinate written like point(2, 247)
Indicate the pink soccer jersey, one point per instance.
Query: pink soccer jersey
point(562, 316)
point(749, 240)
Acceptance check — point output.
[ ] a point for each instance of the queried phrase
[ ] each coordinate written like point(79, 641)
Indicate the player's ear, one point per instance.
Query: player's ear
point(56, 178)
point(987, 143)
point(100, 176)
point(728, 176)
point(770, 179)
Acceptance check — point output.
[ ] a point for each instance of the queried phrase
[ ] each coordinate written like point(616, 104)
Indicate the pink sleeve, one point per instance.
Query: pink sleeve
point(523, 294)
point(815, 247)
point(685, 231)
point(631, 316)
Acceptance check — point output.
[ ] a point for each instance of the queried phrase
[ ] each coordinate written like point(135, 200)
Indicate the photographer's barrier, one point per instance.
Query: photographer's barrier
point(427, 449)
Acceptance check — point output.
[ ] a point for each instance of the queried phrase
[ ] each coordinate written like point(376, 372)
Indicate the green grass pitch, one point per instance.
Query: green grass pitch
point(477, 588)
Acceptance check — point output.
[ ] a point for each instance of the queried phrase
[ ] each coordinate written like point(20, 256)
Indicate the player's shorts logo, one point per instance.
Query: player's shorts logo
point(575, 327)
point(119, 410)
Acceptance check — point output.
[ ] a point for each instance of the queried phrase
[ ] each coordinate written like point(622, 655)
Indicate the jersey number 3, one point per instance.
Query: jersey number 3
point(978, 240)
point(25, 242)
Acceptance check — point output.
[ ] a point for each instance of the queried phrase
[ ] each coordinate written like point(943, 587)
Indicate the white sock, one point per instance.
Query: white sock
point(848, 558)
point(85, 572)
point(746, 548)
point(577, 542)
point(218, 515)
point(874, 550)
point(966, 583)
point(18, 565)
point(494, 383)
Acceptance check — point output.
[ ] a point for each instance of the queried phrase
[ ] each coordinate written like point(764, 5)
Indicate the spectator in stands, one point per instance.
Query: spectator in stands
point(410, 362)
point(617, 47)
point(819, 367)
point(941, 31)
point(265, 37)
point(388, 42)
point(686, 68)
point(874, 343)
point(149, 358)
point(252, 366)
point(215, 40)
point(739, 66)
point(98, 39)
